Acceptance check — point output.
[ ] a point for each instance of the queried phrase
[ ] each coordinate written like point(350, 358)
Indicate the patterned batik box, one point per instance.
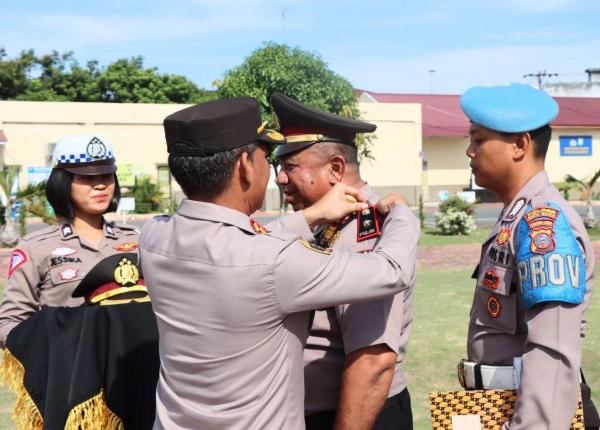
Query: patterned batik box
point(478, 410)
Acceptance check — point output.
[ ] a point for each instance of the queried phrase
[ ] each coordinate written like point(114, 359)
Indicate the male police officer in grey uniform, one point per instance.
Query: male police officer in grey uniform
point(230, 297)
point(536, 273)
point(352, 359)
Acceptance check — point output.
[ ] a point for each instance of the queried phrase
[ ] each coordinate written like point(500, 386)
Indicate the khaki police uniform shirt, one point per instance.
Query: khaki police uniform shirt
point(341, 330)
point(47, 265)
point(231, 308)
point(547, 336)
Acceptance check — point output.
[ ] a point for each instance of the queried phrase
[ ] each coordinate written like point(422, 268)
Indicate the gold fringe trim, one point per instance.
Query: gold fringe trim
point(93, 414)
point(25, 413)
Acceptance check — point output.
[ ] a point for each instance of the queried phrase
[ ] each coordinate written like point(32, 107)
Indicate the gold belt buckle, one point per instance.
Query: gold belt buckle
point(461, 374)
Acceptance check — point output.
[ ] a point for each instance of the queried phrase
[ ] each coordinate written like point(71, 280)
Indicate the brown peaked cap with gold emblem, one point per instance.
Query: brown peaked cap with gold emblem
point(116, 274)
point(303, 126)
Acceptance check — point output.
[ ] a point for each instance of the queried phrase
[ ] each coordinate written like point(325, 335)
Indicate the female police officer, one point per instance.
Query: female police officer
point(46, 266)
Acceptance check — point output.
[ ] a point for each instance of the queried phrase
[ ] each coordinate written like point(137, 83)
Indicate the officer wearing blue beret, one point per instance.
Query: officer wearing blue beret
point(536, 272)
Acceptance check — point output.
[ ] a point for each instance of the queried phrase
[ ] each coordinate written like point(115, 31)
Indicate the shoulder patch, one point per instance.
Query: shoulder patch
point(367, 224)
point(550, 263)
point(17, 259)
point(314, 247)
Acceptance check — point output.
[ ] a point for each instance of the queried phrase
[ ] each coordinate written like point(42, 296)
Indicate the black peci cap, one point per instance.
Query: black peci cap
point(112, 276)
point(303, 126)
point(216, 126)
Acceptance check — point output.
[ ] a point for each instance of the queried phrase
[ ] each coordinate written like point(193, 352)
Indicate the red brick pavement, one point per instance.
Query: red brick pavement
point(428, 257)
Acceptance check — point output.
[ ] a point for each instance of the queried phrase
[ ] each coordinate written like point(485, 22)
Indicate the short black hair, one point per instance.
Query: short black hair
point(58, 193)
point(541, 137)
point(205, 177)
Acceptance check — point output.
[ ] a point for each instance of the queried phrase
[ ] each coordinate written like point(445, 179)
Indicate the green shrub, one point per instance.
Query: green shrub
point(455, 217)
point(147, 195)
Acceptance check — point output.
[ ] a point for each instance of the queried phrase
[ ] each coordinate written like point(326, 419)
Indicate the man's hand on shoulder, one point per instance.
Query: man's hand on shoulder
point(386, 203)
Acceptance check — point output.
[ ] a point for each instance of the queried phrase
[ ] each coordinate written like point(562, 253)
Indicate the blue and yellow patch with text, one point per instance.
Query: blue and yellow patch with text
point(550, 263)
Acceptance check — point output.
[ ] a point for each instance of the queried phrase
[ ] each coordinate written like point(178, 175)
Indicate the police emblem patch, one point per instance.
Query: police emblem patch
point(62, 252)
point(258, 228)
point(126, 247)
point(17, 259)
point(494, 308)
point(68, 274)
point(503, 236)
point(314, 247)
point(512, 214)
point(490, 279)
point(126, 273)
point(96, 148)
point(541, 221)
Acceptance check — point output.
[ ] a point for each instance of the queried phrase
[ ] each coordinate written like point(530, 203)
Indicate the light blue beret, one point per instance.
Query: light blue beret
point(515, 108)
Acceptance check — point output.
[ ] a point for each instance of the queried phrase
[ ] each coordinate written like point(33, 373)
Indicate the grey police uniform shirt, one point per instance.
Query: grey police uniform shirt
point(231, 308)
point(46, 266)
point(341, 330)
point(547, 334)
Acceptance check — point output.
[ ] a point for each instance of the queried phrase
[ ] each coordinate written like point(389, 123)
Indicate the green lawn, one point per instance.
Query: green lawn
point(431, 237)
point(441, 309)
point(441, 312)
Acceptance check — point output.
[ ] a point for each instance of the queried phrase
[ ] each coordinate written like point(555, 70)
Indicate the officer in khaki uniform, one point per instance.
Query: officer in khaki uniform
point(536, 273)
point(232, 299)
point(352, 359)
point(47, 265)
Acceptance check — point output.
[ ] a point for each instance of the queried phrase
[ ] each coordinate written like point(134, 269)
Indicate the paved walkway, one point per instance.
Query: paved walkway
point(428, 257)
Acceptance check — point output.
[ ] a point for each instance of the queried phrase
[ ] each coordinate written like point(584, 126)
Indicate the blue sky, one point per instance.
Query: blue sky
point(385, 46)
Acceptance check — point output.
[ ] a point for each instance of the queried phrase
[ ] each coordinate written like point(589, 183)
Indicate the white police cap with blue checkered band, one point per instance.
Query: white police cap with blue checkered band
point(84, 155)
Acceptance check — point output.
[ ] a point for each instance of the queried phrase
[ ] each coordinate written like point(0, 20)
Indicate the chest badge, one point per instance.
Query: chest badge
point(68, 274)
point(503, 236)
point(541, 222)
point(62, 252)
point(126, 247)
point(257, 227)
point(494, 308)
point(490, 279)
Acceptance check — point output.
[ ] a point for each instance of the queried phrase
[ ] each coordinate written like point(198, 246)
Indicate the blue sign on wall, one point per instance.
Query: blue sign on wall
point(575, 146)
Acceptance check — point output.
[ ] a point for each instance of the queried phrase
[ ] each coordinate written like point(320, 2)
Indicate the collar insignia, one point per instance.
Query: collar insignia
point(258, 228)
point(512, 214)
point(66, 230)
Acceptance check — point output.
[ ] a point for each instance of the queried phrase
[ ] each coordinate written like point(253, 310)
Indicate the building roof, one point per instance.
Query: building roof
point(443, 117)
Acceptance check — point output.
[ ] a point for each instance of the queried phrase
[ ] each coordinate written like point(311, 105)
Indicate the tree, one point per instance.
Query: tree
point(59, 77)
point(587, 187)
point(299, 74)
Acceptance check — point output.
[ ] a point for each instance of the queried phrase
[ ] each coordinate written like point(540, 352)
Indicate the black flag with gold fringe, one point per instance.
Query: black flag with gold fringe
point(92, 367)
